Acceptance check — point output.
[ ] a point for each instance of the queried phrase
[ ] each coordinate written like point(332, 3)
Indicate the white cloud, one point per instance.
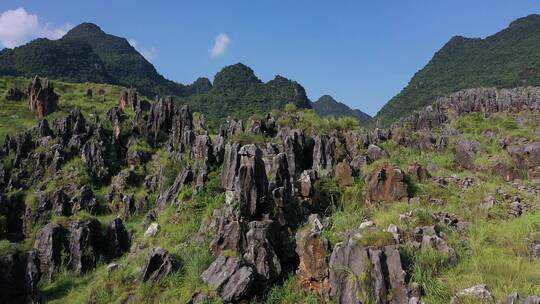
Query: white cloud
point(18, 27)
point(222, 41)
point(150, 54)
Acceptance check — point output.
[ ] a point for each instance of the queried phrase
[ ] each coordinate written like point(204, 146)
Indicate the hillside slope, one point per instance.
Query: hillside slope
point(151, 207)
point(326, 105)
point(506, 59)
point(87, 53)
point(238, 92)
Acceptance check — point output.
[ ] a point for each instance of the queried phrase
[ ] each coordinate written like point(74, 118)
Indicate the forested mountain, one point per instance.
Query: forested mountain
point(507, 59)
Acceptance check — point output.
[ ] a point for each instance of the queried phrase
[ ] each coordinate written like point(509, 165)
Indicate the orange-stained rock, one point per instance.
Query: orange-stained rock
point(385, 184)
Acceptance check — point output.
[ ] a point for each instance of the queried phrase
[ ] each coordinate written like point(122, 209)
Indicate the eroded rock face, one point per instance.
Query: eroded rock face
point(230, 278)
point(259, 252)
point(466, 153)
point(313, 250)
point(116, 116)
point(182, 179)
point(251, 183)
point(42, 100)
point(85, 245)
point(51, 241)
point(297, 151)
point(157, 265)
point(359, 274)
point(92, 155)
point(526, 156)
point(117, 240)
point(418, 173)
point(508, 172)
point(516, 298)
point(19, 277)
point(128, 99)
point(479, 292)
point(344, 173)
point(385, 184)
point(14, 94)
point(306, 183)
point(375, 153)
point(430, 237)
point(231, 163)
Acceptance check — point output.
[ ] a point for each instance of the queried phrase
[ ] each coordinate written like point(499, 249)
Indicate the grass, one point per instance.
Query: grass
point(15, 116)
point(497, 256)
point(375, 239)
point(291, 292)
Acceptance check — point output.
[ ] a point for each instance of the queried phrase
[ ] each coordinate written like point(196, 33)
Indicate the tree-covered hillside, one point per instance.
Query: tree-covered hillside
point(86, 53)
point(238, 92)
point(326, 105)
point(507, 59)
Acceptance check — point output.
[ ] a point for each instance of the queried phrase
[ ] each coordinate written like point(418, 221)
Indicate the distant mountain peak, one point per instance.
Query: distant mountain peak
point(326, 105)
point(85, 28)
point(506, 59)
point(236, 76)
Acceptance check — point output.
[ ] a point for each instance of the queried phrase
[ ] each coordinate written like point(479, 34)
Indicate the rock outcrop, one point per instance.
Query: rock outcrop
point(230, 278)
point(19, 277)
point(51, 242)
point(466, 153)
point(313, 251)
point(14, 94)
point(85, 245)
point(117, 240)
point(157, 265)
point(128, 99)
point(385, 184)
point(359, 275)
point(42, 100)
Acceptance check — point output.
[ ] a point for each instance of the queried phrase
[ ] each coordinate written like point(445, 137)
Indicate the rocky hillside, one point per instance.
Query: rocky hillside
point(143, 204)
point(326, 105)
point(86, 53)
point(506, 59)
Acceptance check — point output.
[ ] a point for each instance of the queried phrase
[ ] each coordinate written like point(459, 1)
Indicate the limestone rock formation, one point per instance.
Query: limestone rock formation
point(359, 274)
point(230, 278)
point(157, 265)
point(42, 100)
point(385, 184)
point(128, 99)
point(51, 241)
point(14, 94)
point(85, 245)
point(19, 277)
point(117, 240)
point(465, 153)
point(313, 251)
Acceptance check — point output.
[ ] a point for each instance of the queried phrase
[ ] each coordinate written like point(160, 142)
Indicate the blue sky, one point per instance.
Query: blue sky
point(360, 52)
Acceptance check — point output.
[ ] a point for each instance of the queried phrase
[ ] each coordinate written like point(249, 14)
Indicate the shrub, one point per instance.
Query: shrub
point(245, 138)
point(291, 292)
point(290, 107)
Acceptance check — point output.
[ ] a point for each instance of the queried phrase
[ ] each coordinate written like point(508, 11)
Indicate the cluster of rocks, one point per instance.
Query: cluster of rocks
point(268, 226)
point(481, 293)
point(479, 100)
point(84, 242)
point(78, 247)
